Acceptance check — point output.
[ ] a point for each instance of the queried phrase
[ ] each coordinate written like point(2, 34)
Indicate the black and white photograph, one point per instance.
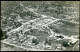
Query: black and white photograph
point(39, 26)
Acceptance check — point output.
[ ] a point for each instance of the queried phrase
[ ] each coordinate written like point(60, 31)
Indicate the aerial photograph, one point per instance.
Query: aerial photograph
point(39, 26)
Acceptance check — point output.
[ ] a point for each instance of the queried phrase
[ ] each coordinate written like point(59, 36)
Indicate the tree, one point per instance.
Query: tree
point(2, 36)
point(35, 40)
